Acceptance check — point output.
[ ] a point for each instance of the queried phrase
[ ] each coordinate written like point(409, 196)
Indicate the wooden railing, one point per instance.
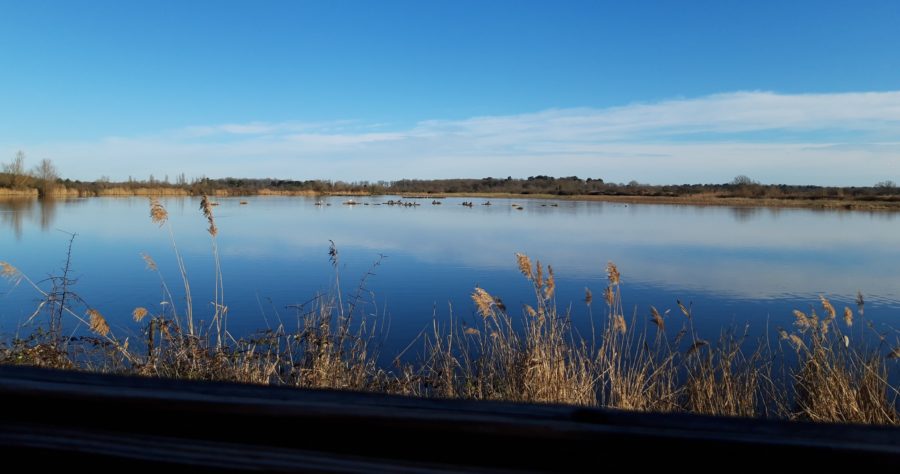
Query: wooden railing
point(69, 420)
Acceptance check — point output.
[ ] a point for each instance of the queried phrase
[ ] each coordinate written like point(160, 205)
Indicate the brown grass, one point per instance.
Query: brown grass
point(838, 382)
point(158, 213)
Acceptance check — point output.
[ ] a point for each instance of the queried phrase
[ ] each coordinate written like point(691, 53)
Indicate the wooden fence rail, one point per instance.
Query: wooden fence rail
point(66, 420)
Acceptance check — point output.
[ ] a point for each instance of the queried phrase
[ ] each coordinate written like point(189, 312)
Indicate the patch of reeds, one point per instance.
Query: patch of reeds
point(833, 367)
point(841, 378)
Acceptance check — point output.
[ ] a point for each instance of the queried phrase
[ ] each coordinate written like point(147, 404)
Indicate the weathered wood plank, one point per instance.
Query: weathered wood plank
point(65, 416)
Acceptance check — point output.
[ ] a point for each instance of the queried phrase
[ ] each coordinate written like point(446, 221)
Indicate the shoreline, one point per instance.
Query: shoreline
point(707, 200)
point(694, 200)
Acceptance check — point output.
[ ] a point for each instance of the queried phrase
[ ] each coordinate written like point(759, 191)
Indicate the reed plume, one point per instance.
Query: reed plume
point(684, 310)
point(848, 316)
point(483, 301)
point(98, 322)
point(696, 346)
point(657, 319)
point(158, 213)
point(151, 264)
point(804, 322)
point(612, 272)
point(7, 270)
point(525, 265)
point(608, 295)
point(139, 313)
point(550, 287)
point(829, 309)
point(206, 207)
point(619, 324)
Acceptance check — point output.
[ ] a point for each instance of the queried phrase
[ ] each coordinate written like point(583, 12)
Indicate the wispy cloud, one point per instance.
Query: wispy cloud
point(267, 128)
point(841, 138)
point(720, 113)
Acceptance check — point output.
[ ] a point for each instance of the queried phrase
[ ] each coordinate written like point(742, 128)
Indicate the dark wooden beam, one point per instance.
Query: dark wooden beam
point(65, 419)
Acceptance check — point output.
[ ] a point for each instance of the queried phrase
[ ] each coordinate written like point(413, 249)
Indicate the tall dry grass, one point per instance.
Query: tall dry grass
point(829, 368)
point(495, 360)
point(841, 378)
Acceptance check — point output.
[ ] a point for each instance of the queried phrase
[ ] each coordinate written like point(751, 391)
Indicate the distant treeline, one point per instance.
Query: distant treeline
point(43, 179)
point(545, 185)
point(741, 186)
point(233, 186)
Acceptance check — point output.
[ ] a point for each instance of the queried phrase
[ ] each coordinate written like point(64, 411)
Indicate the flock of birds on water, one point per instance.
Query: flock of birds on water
point(435, 202)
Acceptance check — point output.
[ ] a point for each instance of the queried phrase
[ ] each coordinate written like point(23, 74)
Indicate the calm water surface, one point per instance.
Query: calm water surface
point(735, 266)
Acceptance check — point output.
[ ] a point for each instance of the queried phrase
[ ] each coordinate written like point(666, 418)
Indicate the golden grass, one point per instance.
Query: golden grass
point(158, 213)
point(206, 207)
point(17, 193)
point(139, 314)
point(7, 270)
point(98, 322)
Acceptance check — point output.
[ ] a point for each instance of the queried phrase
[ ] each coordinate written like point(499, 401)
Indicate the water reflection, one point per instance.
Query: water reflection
point(16, 212)
point(745, 214)
point(275, 248)
point(13, 211)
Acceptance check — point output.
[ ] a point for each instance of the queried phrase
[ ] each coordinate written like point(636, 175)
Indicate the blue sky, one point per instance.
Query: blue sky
point(692, 91)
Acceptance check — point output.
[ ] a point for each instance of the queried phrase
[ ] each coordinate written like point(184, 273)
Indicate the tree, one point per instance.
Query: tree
point(16, 170)
point(46, 174)
point(742, 180)
point(886, 185)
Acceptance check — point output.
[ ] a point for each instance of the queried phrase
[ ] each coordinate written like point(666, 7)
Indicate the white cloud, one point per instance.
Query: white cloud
point(720, 113)
point(842, 138)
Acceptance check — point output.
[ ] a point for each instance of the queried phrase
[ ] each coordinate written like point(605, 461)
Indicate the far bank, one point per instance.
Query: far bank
point(873, 203)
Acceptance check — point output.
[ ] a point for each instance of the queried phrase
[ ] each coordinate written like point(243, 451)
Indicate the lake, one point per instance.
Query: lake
point(732, 265)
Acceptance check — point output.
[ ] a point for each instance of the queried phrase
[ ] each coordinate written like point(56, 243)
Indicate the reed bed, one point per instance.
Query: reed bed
point(829, 367)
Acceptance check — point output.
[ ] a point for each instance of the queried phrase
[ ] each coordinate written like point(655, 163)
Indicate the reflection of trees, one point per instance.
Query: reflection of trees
point(15, 211)
point(47, 213)
point(744, 214)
